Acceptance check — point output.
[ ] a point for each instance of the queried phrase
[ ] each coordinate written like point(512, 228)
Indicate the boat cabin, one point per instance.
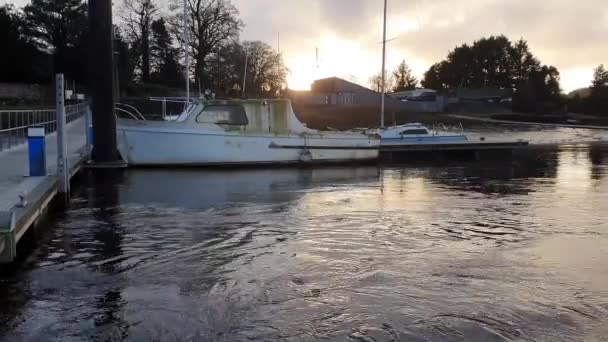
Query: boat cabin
point(248, 116)
point(405, 131)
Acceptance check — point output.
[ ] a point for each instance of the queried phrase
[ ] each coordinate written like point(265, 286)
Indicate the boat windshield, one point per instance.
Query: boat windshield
point(418, 131)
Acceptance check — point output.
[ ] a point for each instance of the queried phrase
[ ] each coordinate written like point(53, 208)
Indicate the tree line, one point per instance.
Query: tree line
point(499, 63)
point(51, 36)
point(401, 79)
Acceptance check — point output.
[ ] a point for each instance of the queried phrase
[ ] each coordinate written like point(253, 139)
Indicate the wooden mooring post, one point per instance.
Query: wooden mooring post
point(102, 81)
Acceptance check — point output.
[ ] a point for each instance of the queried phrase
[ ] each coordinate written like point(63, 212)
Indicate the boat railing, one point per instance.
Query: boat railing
point(165, 100)
point(130, 111)
point(443, 127)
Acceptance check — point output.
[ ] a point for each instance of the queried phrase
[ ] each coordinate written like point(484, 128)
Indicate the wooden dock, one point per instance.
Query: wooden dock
point(453, 146)
point(23, 199)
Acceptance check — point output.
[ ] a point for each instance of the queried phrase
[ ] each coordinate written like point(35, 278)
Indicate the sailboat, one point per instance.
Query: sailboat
point(411, 133)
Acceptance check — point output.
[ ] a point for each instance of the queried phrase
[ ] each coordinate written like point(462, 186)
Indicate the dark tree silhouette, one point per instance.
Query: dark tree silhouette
point(213, 25)
point(403, 78)
point(137, 17)
point(20, 60)
point(599, 91)
point(59, 27)
point(166, 70)
point(433, 78)
point(266, 74)
point(496, 62)
point(124, 60)
point(540, 93)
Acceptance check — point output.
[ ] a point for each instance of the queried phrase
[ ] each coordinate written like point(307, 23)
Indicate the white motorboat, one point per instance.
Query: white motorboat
point(413, 133)
point(226, 132)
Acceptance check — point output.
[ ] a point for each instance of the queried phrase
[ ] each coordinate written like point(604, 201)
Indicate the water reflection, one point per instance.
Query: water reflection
point(501, 250)
point(208, 189)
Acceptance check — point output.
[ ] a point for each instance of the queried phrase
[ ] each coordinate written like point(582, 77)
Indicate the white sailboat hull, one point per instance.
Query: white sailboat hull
point(154, 146)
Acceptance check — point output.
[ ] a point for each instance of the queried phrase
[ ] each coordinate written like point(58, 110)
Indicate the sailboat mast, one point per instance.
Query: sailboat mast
point(186, 54)
point(383, 90)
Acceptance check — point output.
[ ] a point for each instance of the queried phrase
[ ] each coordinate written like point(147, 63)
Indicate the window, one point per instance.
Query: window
point(419, 131)
point(223, 115)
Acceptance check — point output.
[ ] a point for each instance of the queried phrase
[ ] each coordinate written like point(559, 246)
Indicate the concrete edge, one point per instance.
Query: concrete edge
point(8, 241)
point(38, 200)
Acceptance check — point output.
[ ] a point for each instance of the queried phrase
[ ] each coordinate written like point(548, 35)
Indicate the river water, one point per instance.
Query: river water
point(500, 250)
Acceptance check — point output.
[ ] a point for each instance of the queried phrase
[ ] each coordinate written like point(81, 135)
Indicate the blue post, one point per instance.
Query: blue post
point(37, 151)
point(89, 130)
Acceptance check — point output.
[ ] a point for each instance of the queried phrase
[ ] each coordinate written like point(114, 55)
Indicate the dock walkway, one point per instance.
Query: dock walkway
point(37, 192)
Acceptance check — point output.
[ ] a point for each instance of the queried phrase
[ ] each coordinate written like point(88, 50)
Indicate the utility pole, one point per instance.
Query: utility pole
point(101, 71)
point(383, 92)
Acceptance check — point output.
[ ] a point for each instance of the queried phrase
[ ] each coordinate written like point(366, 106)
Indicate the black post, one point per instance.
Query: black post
point(101, 71)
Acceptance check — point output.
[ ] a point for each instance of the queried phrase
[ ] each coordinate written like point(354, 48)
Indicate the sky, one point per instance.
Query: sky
point(572, 35)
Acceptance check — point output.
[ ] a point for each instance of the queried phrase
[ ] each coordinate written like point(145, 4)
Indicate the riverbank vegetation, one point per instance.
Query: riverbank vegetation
point(46, 37)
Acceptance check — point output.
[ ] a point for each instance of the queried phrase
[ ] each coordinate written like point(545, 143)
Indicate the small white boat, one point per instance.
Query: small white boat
point(415, 133)
point(226, 132)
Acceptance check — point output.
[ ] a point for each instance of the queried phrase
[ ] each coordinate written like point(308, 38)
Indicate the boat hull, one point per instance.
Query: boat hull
point(152, 147)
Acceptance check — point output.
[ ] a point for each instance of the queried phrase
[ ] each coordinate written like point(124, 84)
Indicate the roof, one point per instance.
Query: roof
point(413, 93)
point(337, 85)
point(480, 93)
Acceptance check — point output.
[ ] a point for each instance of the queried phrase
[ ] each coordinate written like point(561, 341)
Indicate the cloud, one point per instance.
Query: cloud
point(568, 34)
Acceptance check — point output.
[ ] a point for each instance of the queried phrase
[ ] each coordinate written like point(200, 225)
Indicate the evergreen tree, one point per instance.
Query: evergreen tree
point(523, 63)
point(599, 91)
point(124, 60)
point(166, 69)
point(496, 62)
point(433, 78)
point(403, 78)
point(59, 27)
point(20, 60)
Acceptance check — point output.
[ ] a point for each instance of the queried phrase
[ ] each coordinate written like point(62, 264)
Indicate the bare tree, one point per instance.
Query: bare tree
point(266, 74)
point(375, 82)
point(137, 17)
point(213, 24)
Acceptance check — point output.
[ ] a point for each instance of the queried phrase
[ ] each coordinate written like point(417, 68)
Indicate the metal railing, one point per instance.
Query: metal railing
point(14, 123)
point(129, 110)
point(165, 100)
